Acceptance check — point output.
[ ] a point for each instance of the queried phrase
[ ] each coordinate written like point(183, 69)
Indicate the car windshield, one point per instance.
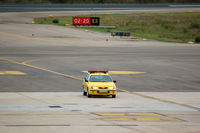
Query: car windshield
point(100, 78)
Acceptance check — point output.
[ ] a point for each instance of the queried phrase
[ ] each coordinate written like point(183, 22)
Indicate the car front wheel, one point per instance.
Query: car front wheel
point(84, 93)
point(89, 96)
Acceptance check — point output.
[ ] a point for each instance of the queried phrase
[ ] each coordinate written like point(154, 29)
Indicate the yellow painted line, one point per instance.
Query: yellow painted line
point(12, 73)
point(123, 72)
point(117, 119)
point(141, 119)
point(22, 36)
point(148, 119)
point(171, 119)
point(43, 69)
point(39, 59)
point(15, 73)
point(28, 61)
point(143, 114)
point(161, 100)
point(111, 114)
point(127, 114)
point(47, 70)
point(69, 76)
point(11, 61)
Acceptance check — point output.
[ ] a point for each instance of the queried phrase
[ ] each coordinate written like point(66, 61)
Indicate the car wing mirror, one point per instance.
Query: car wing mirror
point(114, 81)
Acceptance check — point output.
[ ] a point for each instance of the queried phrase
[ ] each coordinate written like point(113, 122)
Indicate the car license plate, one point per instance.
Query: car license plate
point(103, 91)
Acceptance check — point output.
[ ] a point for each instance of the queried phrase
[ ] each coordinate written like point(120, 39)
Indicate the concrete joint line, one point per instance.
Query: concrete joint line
point(31, 98)
point(161, 100)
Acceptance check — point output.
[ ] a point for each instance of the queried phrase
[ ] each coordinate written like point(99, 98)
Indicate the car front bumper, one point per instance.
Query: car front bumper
point(102, 92)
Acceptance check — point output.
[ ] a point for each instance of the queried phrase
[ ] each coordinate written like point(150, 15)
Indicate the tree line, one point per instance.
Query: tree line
point(101, 1)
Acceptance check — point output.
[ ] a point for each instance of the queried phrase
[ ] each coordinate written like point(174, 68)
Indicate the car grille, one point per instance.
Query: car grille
point(103, 87)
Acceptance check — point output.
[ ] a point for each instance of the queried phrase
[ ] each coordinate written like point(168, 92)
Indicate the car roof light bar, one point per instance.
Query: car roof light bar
point(91, 71)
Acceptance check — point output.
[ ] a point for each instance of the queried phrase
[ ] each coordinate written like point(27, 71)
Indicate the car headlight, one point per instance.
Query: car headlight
point(94, 87)
point(111, 87)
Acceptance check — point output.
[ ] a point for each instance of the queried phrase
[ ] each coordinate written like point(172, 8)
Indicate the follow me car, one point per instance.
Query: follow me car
point(99, 83)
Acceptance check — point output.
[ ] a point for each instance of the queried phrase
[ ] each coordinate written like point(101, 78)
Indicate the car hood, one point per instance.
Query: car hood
point(102, 84)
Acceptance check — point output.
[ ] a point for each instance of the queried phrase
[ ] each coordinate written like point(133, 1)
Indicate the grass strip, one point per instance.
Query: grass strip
point(169, 27)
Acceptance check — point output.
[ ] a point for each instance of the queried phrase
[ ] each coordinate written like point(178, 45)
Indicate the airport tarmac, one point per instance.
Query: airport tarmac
point(24, 112)
point(41, 71)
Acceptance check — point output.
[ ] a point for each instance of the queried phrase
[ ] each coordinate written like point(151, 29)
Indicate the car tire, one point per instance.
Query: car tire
point(89, 96)
point(84, 93)
point(113, 96)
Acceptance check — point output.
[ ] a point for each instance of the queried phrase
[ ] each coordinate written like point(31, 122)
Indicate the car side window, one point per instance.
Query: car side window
point(87, 77)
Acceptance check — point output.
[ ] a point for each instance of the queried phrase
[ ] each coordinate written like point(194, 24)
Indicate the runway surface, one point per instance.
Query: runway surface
point(86, 7)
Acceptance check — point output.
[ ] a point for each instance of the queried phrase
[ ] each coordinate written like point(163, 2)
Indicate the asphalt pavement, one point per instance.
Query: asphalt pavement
point(167, 67)
point(41, 71)
point(86, 7)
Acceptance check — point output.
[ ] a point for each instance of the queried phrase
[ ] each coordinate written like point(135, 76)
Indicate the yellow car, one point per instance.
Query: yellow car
point(98, 83)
